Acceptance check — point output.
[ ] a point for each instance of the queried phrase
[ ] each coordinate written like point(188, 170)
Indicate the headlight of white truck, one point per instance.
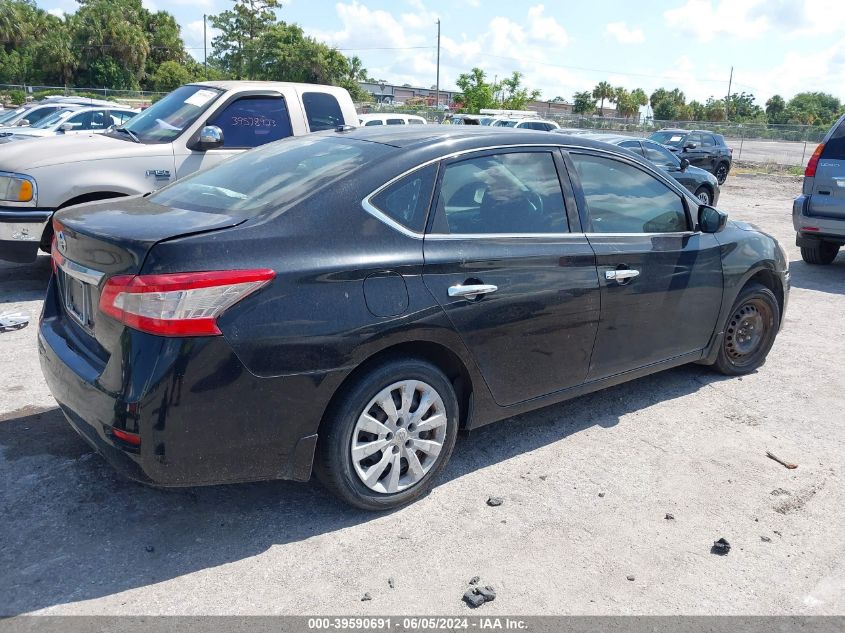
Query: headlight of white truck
point(18, 188)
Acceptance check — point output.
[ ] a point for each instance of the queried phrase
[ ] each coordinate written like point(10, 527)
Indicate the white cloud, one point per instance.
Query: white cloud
point(704, 19)
point(59, 13)
point(193, 37)
point(625, 35)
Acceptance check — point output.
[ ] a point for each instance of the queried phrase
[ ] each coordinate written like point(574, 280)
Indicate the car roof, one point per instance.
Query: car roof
point(462, 137)
point(231, 84)
point(680, 131)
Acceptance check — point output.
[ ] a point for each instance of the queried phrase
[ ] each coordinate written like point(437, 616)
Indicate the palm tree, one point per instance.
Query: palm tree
point(357, 72)
point(603, 90)
point(11, 31)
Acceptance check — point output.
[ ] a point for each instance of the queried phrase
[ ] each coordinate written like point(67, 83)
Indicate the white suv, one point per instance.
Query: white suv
point(527, 124)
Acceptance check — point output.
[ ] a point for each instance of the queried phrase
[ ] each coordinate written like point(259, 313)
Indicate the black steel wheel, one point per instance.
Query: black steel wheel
point(721, 173)
point(749, 332)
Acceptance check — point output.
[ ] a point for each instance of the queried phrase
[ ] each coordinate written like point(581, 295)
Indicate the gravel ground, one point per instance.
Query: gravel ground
point(586, 487)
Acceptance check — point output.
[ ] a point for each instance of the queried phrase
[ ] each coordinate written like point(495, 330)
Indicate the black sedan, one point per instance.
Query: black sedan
point(346, 301)
point(702, 184)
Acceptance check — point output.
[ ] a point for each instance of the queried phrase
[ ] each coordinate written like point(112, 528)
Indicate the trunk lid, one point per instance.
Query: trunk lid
point(99, 240)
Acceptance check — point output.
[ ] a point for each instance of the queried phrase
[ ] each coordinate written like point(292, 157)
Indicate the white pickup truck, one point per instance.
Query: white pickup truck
point(193, 127)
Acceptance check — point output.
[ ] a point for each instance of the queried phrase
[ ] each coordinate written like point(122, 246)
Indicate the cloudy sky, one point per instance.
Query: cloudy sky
point(775, 46)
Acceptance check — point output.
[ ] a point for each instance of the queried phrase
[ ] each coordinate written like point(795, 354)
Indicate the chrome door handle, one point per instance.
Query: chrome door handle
point(620, 275)
point(470, 292)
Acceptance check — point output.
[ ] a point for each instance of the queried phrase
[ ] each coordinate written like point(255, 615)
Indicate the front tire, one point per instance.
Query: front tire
point(721, 173)
point(704, 195)
point(820, 254)
point(389, 436)
point(749, 332)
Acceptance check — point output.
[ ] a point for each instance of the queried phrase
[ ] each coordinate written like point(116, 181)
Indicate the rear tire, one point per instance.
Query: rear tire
point(721, 172)
point(389, 436)
point(749, 332)
point(704, 195)
point(821, 254)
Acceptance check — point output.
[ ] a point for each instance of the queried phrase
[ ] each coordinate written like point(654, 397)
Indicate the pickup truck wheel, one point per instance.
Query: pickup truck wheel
point(704, 195)
point(390, 435)
point(820, 254)
point(750, 331)
point(721, 173)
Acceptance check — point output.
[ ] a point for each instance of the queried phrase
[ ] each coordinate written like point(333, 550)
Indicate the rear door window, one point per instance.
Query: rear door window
point(37, 114)
point(707, 140)
point(253, 121)
point(659, 155)
point(373, 122)
point(322, 110)
point(396, 121)
point(81, 121)
point(506, 193)
point(835, 146)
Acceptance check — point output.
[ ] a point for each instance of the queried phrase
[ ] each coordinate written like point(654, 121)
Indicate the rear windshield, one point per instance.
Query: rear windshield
point(835, 146)
point(270, 177)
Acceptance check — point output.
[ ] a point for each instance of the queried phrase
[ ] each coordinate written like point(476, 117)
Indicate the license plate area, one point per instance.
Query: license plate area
point(77, 300)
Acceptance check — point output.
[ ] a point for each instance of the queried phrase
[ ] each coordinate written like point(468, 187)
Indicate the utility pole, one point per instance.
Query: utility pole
point(728, 99)
point(437, 84)
point(204, 45)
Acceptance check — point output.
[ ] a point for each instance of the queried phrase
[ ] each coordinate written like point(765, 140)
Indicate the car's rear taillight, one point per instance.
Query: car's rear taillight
point(180, 304)
point(814, 161)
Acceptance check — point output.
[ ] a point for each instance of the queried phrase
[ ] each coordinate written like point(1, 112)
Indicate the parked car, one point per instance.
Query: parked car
point(72, 120)
point(527, 124)
point(818, 214)
point(29, 114)
point(193, 127)
point(390, 118)
point(702, 184)
point(701, 148)
point(283, 310)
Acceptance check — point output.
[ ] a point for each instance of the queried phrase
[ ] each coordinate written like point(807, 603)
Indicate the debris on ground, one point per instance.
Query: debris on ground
point(720, 547)
point(475, 596)
point(601, 494)
point(475, 580)
point(669, 516)
point(779, 492)
point(631, 577)
point(391, 583)
point(472, 598)
point(366, 597)
point(766, 539)
point(789, 465)
point(149, 549)
point(495, 501)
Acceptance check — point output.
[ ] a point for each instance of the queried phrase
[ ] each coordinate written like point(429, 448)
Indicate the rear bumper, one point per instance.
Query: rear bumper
point(21, 231)
point(811, 228)
point(202, 417)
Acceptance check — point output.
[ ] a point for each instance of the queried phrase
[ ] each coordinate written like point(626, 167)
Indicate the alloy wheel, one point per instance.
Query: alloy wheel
point(704, 197)
point(398, 437)
point(722, 173)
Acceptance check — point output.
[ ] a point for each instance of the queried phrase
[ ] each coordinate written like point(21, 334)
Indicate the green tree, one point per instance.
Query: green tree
point(603, 91)
point(476, 93)
point(584, 103)
point(776, 110)
point(741, 107)
point(814, 108)
point(169, 76)
point(669, 105)
point(237, 49)
point(357, 72)
point(714, 110)
point(516, 96)
point(696, 110)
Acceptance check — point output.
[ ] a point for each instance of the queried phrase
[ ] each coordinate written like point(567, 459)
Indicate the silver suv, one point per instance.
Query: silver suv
point(818, 214)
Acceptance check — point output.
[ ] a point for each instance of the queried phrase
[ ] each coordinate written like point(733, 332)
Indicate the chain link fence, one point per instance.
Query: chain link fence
point(756, 143)
point(37, 92)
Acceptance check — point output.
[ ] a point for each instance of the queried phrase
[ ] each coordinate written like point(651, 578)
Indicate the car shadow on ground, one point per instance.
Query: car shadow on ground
point(24, 282)
point(829, 278)
point(73, 530)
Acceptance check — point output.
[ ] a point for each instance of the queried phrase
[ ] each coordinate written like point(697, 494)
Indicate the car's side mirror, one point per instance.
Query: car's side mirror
point(710, 219)
point(690, 146)
point(211, 137)
point(684, 164)
point(22, 123)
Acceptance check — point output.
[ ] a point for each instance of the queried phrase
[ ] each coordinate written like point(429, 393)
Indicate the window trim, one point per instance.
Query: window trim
point(583, 207)
point(511, 149)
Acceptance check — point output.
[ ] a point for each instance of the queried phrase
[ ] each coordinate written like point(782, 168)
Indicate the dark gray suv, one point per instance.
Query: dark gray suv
point(818, 214)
